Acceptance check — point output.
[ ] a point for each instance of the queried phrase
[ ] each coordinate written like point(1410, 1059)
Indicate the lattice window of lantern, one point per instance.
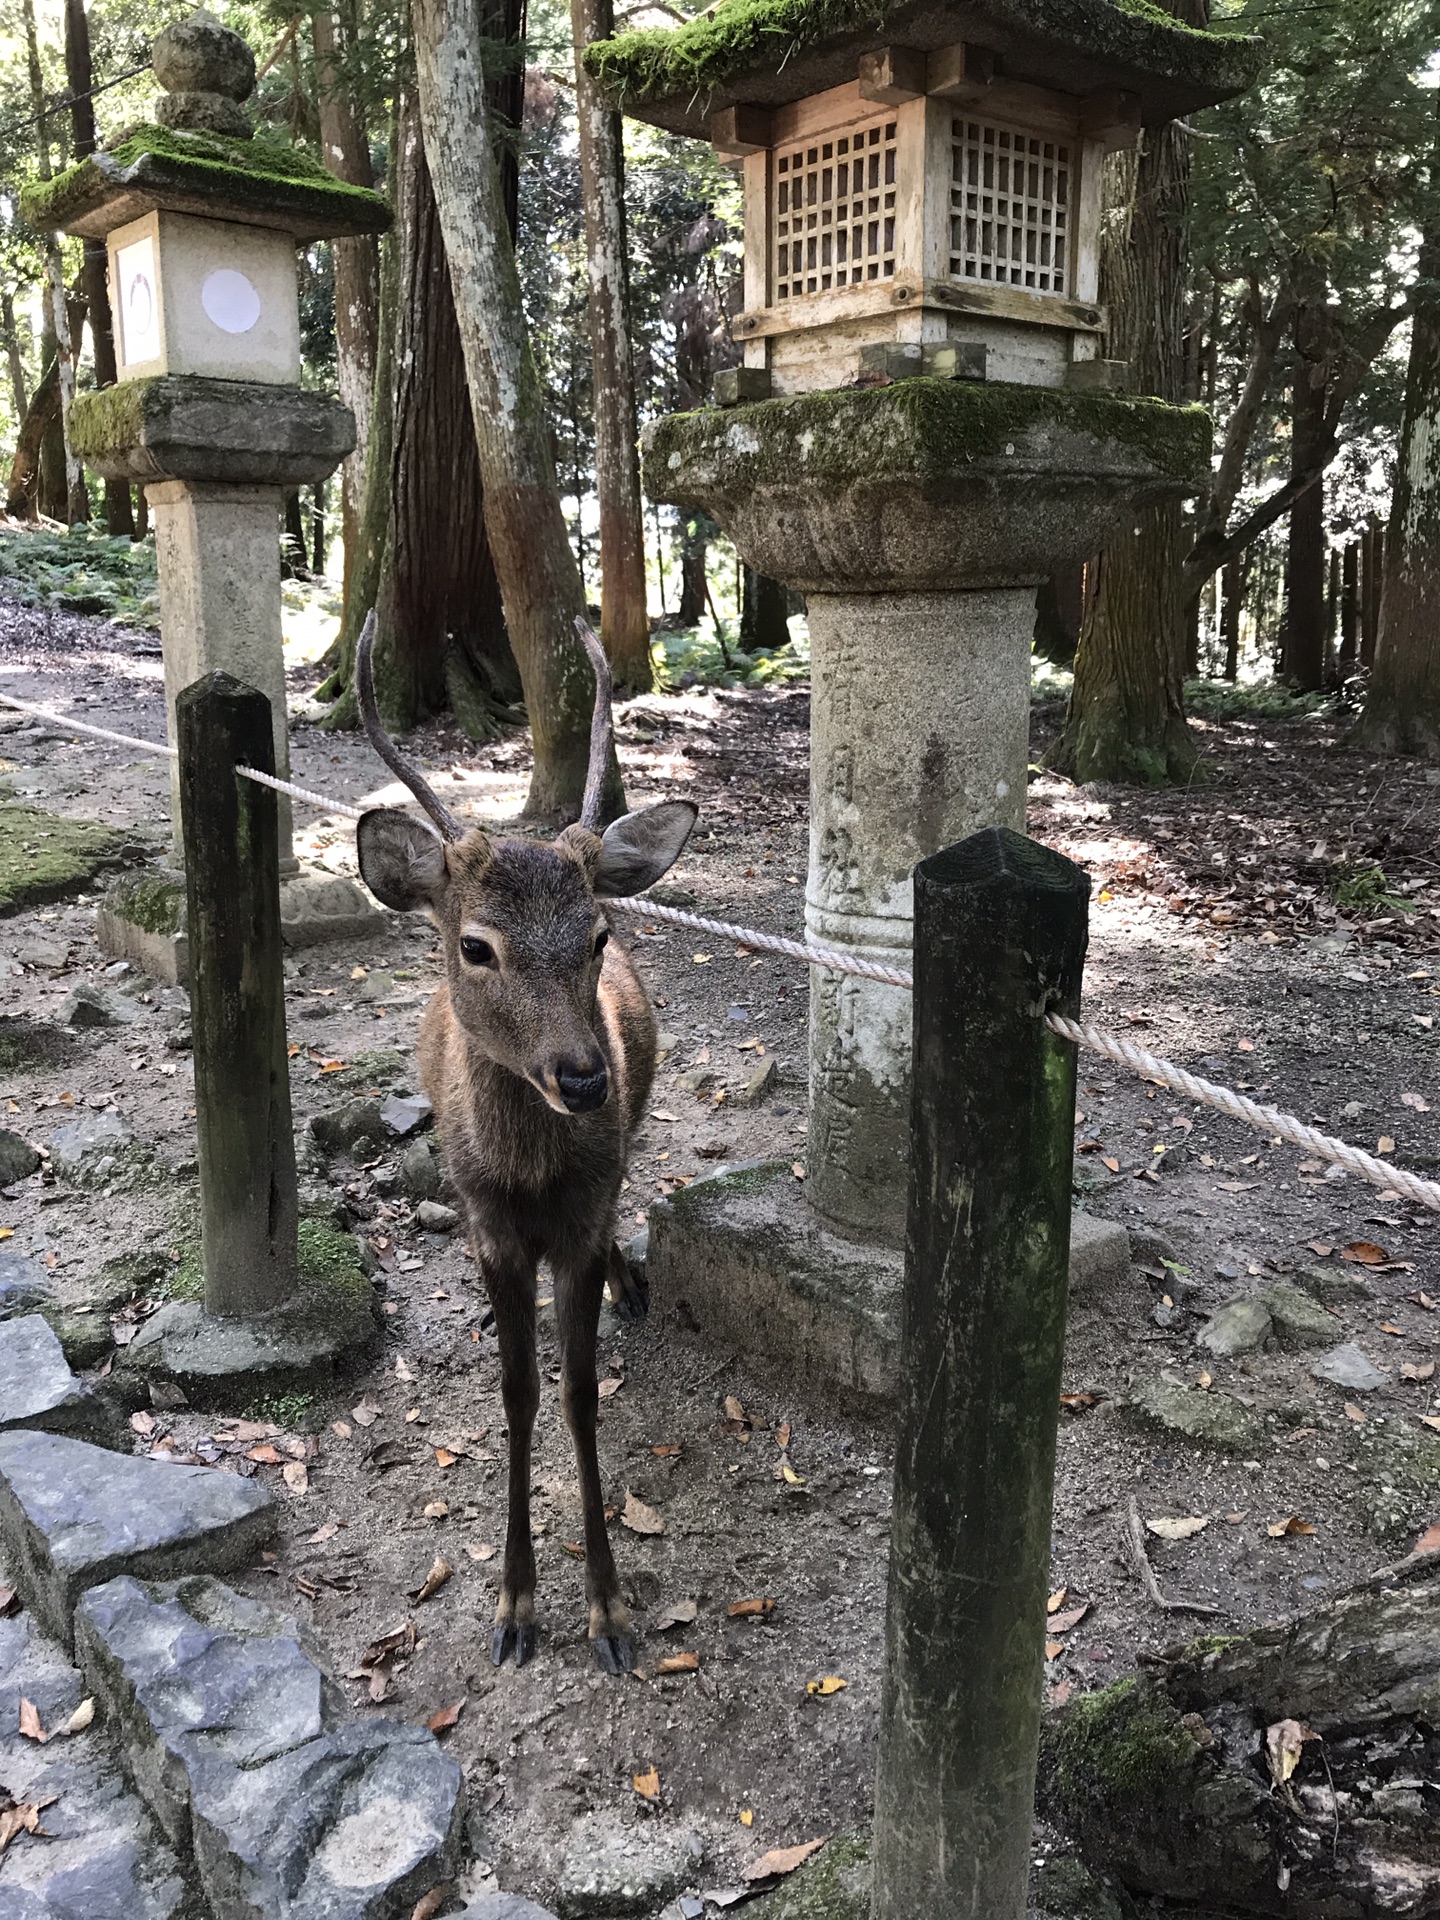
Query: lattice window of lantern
point(1010, 197)
point(835, 212)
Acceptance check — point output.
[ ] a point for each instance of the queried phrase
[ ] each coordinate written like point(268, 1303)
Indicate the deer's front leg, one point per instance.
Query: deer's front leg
point(577, 1304)
point(511, 1286)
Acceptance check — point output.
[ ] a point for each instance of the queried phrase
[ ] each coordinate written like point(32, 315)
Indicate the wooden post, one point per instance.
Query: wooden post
point(237, 997)
point(1000, 931)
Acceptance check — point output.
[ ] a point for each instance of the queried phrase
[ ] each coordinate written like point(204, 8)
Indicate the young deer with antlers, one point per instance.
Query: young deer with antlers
point(537, 1054)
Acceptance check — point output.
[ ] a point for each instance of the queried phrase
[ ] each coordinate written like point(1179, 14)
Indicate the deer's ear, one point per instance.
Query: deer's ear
point(639, 847)
point(402, 861)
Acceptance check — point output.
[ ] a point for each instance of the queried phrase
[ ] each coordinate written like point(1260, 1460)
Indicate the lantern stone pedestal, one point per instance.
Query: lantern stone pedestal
point(918, 519)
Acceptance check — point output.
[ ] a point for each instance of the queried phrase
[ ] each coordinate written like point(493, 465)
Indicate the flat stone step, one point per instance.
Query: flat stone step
point(107, 1859)
point(73, 1515)
point(242, 1748)
point(37, 1388)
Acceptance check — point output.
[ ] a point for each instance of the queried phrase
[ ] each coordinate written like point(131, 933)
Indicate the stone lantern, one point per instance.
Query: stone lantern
point(925, 426)
point(201, 222)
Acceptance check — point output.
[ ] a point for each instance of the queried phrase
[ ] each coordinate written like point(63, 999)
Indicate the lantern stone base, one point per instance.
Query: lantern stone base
point(742, 1261)
point(143, 921)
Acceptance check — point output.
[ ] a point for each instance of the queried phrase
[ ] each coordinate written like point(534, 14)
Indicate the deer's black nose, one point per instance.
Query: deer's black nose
point(582, 1088)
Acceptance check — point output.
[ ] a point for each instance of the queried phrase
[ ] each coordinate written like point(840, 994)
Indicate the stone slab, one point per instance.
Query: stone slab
point(24, 1284)
point(164, 956)
point(73, 1516)
point(314, 907)
point(505, 1906)
point(741, 1260)
point(240, 1745)
point(608, 1869)
point(107, 1860)
point(37, 1388)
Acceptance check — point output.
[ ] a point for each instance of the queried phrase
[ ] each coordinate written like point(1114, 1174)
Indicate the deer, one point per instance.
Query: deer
point(537, 1053)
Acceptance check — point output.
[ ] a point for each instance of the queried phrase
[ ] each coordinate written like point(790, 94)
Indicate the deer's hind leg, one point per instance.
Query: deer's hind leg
point(510, 1282)
point(578, 1292)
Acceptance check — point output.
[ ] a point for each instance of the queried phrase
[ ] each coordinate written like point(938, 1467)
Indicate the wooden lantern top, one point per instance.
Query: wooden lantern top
point(763, 54)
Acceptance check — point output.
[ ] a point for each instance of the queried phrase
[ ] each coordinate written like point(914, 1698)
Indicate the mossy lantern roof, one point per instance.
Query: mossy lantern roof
point(771, 53)
point(257, 182)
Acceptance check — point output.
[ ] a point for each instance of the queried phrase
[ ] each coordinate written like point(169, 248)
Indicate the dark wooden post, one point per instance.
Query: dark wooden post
point(1000, 931)
point(237, 997)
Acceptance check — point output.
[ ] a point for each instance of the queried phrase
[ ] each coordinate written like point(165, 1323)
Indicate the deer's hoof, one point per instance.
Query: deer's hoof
point(614, 1652)
point(509, 1638)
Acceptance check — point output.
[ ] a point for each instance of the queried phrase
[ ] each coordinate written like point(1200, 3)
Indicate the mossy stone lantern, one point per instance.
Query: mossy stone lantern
point(201, 221)
point(925, 427)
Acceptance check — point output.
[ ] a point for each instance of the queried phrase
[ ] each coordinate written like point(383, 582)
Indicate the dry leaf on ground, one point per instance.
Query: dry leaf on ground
point(1364, 1253)
point(327, 1532)
point(445, 1717)
point(9, 1602)
point(81, 1718)
point(1294, 1524)
point(608, 1386)
point(22, 1816)
point(1283, 1744)
point(266, 1456)
point(296, 1476)
point(678, 1663)
point(1431, 1420)
point(1429, 1541)
point(367, 1413)
point(647, 1784)
point(639, 1518)
point(427, 1907)
point(1072, 1616)
point(678, 1614)
point(1178, 1529)
point(1411, 1370)
point(1415, 1100)
point(1056, 1600)
point(750, 1609)
point(783, 1859)
point(29, 1722)
point(440, 1572)
point(822, 1689)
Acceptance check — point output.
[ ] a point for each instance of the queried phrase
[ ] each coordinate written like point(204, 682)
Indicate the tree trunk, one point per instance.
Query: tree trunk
point(49, 495)
point(1232, 587)
point(764, 613)
point(295, 559)
point(1126, 719)
point(1283, 1772)
point(1349, 610)
point(20, 399)
point(1303, 661)
point(22, 497)
point(624, 609)
point(357, 276)
point(1372, 591)
point(317, 527)
point(539, 581)
point(79, 79)
point(695, 534)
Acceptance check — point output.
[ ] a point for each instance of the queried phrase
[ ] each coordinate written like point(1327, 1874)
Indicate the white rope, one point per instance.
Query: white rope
point(1425, 1193)
point(67, 725)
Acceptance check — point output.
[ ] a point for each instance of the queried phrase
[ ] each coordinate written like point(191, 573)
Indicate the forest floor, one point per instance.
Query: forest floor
point(1216, 939)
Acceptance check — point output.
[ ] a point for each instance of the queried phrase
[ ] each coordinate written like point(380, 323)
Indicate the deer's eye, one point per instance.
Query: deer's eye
point(479, 953)
point(601, 940)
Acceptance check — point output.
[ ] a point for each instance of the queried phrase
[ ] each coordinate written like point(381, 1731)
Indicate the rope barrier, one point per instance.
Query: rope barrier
point(1270, 1120)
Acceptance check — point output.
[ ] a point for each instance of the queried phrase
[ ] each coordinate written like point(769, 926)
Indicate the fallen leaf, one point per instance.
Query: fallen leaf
point(1283, 1744)
point(792, 1478)
point(297, 1476)
point(573, 1548)
point(657, 1114)
point(747, 1817)
point(678, 1614)
point(1412, 1370)
point(1113, 1165)
point(639, 1518)
point(1054, 1649)
point(430, 1905)
point(1056, 1600)
point(647, 1784)
point(30, 1722)
point(7, 1233)
point(267, 1455)
point(1415, 1100)
point(342, 1429)
point(81, 1718)
point(823, 1689)
point(143, 1423)
point(1322, 1247)
point(1429, 1541)
point(1421, 1300)
point(1205, 1381)
point(667, 1452)
point(1245, 1046)
point(1352, 1412)
point(678, 1663)
point(734, 1410)
point(609, 1386)
point(1431, 1420)
point(327, 1532)
point(783, 1859)
point(1364, 1253)
point(403, 1369)
point(437, 1510)
point(23, 1816)
point(1385, 1144)
point(750, 1609)
point(445, 1717)
point(1234, 1519)
point(1185, 1529)
point(1389, 1326)
point(444, 1457)
point(797, 1167)
point(440, 1572)
point(782, 1435)
point(1060, 1693)
point(1071, 1617)
point(1278, 1528)
point(9, 1602)
point(485, 1551)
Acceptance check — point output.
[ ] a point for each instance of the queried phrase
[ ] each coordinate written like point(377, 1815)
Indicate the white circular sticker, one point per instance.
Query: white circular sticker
point(230, 301)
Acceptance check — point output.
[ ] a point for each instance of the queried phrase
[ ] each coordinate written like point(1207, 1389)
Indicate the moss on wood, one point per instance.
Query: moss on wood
point(44, 856)
point(227, 175)
point(1124, 1740)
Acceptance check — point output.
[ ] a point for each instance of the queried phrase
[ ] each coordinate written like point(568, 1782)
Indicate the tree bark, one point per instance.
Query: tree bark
point(539, 581)
point(1232, 588)
point(49, 495)
point(22, 496)
point(20, 399)
point(1303, 660)
point(764, 613)
point(624, 609)
point(1126, 719)
point(357, 275)
point(1175, 1783)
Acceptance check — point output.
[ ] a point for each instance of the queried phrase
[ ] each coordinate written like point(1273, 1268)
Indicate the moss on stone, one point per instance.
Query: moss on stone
point(687, 67)
point(44, 856)
point(1398, 1468)
point(920, 429)
point(168, 166)
point(25, 1043)
point(1126, 1740)
point(834, 1885)
point(154, 905)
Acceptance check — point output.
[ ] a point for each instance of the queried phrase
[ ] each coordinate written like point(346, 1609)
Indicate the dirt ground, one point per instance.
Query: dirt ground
point(1214, 940)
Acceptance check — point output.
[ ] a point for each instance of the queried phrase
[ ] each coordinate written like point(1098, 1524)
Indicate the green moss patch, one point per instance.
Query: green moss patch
point(1124, 1741)
point(44, 856)
point(169, 167)
point(834, 1885)
point(154, 905)
point(82, 571)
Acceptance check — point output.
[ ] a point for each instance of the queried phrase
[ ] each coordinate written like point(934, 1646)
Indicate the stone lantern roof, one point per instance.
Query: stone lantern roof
point(202, 158)
point(771, 53)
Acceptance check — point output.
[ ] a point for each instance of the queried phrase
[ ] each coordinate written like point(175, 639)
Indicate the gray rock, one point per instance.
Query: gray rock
point(18, 1159)
point(696, 1079)
point(1211, 1419)
point(90, 1004)
point(37, 1388)
point(403, 1113)
point(1333, 1286)
point(436, 1219)
point(504, 1906)
point(23, 1284)
point(606, 1868)
point(73, 1515)
point(1239, 1326)
point(1298, 1320)
point(328, 1323)
point(1346, 1366)
point(761, 1082)
point(341, 1129)
point(89, 1138)
point(420, 1170)
point(378, 984)
point(43, 950)
point(1099, 1252)
point(1398, 1470)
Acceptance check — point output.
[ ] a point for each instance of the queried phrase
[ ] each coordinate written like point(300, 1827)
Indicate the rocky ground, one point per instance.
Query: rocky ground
point(1261, 1383)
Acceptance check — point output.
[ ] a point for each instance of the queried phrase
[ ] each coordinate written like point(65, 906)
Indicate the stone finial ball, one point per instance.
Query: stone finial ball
point(199, 55)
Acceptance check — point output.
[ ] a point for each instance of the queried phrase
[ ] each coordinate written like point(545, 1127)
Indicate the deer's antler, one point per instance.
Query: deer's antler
point(449, 826)
point(602, 726)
